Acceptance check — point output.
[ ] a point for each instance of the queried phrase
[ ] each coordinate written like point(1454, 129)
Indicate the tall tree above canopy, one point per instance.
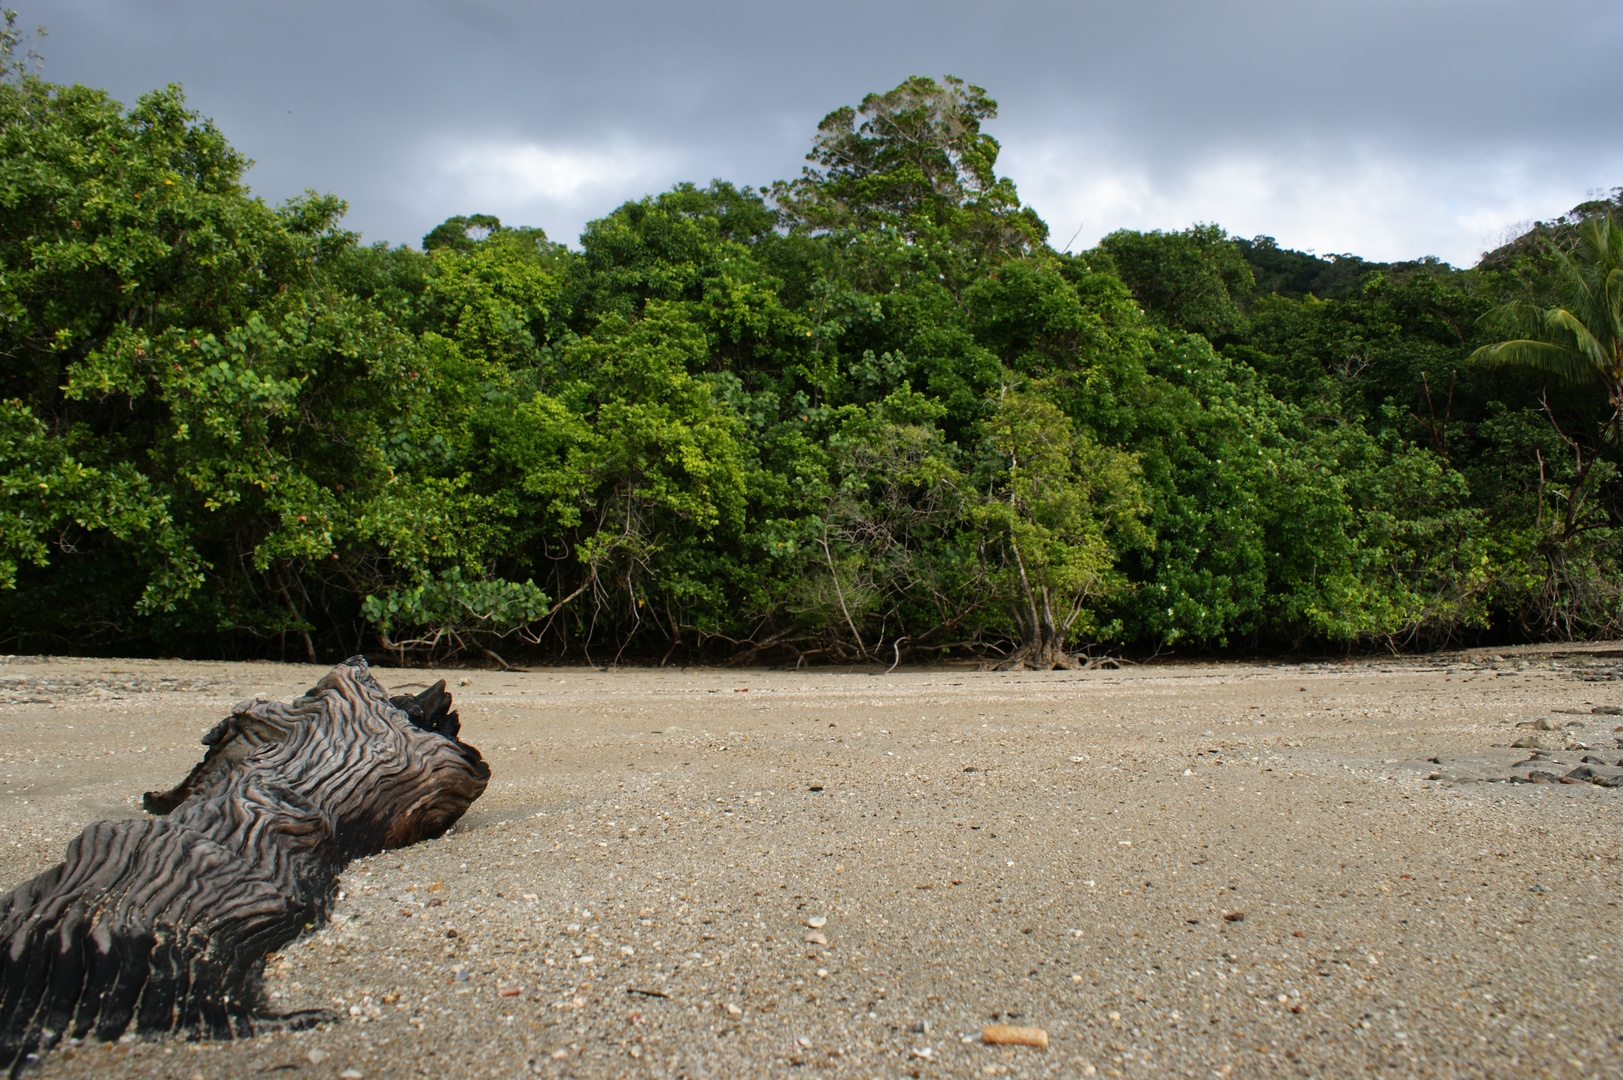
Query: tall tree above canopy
point(919, 163)
point(461, 233)
point(1579, 339)
point(18, 58)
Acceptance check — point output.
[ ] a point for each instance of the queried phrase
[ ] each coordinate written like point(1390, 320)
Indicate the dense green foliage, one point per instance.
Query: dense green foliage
point(866, 413)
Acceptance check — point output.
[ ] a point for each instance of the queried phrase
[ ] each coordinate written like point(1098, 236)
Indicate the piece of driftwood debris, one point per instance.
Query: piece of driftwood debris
point(1004, 1035)
point(162, 924)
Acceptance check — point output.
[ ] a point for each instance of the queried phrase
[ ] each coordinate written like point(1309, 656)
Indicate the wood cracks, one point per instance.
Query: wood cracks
point(162, 924)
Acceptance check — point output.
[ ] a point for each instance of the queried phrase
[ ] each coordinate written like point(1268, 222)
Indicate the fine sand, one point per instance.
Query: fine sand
point(1174, 870)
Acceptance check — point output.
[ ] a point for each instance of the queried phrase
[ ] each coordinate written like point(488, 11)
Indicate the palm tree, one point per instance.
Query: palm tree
point(1580, 341)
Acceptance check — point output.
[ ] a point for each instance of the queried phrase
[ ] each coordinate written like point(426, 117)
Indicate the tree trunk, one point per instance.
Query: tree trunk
point(162, 924)
point(1042, 646)
point(1044, 650)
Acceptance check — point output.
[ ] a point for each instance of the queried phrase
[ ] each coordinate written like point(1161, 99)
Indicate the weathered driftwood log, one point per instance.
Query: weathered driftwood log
point(163, 924)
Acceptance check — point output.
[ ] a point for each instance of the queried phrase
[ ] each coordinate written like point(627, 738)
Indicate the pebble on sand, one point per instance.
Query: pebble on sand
point(817, 922)
point(814, 938)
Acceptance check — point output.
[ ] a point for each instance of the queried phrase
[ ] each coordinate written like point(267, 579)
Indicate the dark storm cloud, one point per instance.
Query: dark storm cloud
point(1391, 129)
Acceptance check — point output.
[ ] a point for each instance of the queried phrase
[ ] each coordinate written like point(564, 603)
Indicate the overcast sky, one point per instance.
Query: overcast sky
point(1389, 129)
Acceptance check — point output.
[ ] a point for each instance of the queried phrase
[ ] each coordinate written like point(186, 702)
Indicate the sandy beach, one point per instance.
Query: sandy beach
point(1294, 869)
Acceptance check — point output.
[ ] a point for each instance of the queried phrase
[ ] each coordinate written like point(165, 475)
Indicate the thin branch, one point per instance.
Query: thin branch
point(839, 592)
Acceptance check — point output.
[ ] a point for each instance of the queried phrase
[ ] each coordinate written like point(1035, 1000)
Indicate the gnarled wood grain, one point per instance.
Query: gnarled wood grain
point(163, 924)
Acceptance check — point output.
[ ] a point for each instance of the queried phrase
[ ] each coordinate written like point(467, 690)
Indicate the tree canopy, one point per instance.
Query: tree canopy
point(865, 414)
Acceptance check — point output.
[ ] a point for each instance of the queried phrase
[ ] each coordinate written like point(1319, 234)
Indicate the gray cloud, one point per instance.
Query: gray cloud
point(1392, 129)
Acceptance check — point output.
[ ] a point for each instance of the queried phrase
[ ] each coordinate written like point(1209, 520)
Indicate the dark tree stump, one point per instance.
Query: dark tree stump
point(162, 925)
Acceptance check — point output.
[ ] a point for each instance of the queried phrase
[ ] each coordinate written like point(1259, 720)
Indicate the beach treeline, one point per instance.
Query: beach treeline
point(870, 413)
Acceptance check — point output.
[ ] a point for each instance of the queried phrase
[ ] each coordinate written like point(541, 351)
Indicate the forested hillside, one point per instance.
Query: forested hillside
point(865, 413)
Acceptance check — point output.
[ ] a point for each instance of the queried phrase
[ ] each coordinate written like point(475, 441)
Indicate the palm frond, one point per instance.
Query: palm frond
point(1556, 361)
point(1614, 302)
point(1574, 283)
point(1602, 240)
point(1584, 341)
point(1579, 341)
point(1513, 318)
